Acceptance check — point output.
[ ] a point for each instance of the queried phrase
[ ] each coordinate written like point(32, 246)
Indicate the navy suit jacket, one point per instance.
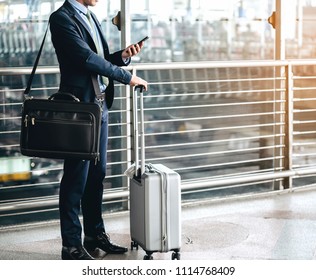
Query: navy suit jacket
point(78, 58)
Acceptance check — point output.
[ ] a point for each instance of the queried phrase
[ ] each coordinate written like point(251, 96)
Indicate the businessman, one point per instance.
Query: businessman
point(83, 53)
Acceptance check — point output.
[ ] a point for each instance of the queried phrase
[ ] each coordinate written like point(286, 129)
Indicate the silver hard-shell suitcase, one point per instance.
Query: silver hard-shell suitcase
point(155, 200)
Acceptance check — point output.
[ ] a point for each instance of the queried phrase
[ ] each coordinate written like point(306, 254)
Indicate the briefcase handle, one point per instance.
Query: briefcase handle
point(64, 96)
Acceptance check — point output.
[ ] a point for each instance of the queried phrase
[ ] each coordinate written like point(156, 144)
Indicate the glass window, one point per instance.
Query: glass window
point(183, 30)
point(179, 30)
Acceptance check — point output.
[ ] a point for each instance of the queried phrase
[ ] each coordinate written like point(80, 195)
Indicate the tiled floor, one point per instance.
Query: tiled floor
point(277, 227)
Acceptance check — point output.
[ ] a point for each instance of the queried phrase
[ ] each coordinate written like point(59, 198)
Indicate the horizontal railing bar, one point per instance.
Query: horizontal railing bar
point(304, 132)
point(158, 95)
point(305, 165)
point(10, 132)
point(9, 118)
point(189, 156)
point(236, 174)
point(217, 105)
point(304, 122)
point(9, 146)
point(309, 154)
point(219, 117)
point(303, 78)
point(118, 124)
point(174, 65)
point(303, 88)
point(213, 141)
point(214, 81)
point(53, 201)
point(225, 152)
point(256, 126)
point(11, 104)
point(235, 186)
point(27, 212)
point(21, 186)
point(122, 136)
point(7, 71)
point(303, 99)
point(304, 110)
point(217, 64)
point(226, 163)
point(304, 143)
point(248, 179)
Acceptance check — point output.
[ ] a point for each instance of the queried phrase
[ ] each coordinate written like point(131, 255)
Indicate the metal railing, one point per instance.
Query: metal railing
point(228, 128)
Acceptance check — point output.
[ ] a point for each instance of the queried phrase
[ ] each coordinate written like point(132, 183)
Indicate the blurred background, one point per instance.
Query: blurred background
point(221, 110)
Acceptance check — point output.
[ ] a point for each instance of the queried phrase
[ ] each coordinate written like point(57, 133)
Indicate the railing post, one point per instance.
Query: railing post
point(280, 27)
point(125, 23)
point(280, 74)
point(289, 111)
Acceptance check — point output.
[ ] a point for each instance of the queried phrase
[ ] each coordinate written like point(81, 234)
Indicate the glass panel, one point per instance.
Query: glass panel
point(300, 42)
point(184, 30)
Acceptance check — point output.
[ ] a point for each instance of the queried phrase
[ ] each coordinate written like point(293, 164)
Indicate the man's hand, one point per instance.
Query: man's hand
point(132, 50)
point(137, 81)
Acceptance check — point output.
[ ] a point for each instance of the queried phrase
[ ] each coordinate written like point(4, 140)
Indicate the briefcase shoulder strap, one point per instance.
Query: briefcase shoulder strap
point(29, 83)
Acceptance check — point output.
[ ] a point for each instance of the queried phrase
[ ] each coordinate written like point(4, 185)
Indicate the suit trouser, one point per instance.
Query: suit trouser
point(82, 185)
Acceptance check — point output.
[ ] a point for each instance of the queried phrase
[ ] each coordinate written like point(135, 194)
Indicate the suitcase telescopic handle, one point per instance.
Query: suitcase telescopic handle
point(141, 170)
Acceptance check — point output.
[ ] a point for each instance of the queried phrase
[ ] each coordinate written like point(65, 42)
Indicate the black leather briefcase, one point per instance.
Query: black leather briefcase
point(59, 128)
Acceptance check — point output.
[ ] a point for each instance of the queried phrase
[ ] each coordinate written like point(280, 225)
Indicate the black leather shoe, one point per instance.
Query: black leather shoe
point(103, 242)
point(75, 253)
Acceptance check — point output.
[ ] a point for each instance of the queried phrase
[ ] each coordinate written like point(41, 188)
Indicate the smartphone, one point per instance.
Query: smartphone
point(143, 40)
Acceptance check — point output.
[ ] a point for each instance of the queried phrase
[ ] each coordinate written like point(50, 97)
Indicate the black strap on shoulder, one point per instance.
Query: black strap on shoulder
point(29, 83)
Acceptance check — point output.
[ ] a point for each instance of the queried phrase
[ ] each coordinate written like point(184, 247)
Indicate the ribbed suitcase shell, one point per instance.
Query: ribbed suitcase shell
point(155, 211)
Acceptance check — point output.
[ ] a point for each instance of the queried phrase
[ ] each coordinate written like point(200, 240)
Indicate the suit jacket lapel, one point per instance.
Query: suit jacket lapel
point(83, 23)
point(80, 20)
point(72, 12)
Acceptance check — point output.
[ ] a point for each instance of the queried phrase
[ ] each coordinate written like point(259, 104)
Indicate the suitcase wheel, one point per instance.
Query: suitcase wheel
point(175, 256)
point(134, 244)
point(148, 257)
